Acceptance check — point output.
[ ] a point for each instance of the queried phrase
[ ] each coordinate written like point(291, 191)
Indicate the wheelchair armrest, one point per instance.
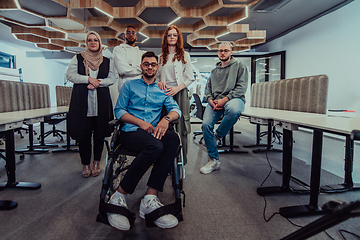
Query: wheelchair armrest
point(114, 123)
point(175, 121)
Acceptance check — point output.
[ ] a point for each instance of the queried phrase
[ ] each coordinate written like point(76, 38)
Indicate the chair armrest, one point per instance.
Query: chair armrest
point(114, 123)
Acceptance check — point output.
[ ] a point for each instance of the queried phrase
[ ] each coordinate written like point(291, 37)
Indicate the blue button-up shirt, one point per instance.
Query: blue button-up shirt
point(143, 101)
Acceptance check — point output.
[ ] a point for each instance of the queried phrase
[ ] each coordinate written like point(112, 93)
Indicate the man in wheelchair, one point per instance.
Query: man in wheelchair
point(139, 106)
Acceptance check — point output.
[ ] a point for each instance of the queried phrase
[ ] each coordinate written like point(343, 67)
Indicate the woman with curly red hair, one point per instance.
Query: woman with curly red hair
point(175, 74)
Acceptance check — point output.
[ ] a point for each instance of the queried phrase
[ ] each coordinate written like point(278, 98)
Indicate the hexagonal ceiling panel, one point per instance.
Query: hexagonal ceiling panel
point(62, 24)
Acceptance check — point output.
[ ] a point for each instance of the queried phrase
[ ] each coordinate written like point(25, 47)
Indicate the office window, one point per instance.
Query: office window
point(7, 60)
point(268, 67)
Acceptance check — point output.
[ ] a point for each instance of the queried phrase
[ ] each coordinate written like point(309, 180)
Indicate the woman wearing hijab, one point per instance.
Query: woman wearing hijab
point(91, 106)
point(175, 74)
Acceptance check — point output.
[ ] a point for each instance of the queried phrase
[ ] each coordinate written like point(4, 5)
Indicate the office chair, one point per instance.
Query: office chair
point(275, 134)
point(54, 120)
point(26, 131)
point(200, 109)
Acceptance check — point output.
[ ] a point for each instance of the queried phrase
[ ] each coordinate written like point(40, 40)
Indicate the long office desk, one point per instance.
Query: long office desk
point(31, 117)
point(8, 122)
point(290, 121)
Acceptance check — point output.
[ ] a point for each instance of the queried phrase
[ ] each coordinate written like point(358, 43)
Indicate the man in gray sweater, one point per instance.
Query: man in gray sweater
point(225, 93)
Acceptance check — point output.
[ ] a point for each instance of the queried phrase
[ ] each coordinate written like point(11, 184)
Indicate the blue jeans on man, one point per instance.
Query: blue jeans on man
point(231, 112)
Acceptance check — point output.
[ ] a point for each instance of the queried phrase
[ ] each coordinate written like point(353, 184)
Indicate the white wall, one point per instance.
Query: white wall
point(329, 45)
point(35, 70)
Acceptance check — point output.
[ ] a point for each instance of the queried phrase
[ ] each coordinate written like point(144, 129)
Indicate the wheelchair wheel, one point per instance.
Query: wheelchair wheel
point(119, 165)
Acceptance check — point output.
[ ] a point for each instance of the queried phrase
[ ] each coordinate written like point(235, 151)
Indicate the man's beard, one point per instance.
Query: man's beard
point(224, 60)
point(130, 42)
point(147, 75)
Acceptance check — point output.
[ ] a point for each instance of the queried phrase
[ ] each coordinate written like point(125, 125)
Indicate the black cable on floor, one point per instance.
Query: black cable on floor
point(264, 212)
point(329, 235)
point(345, 231)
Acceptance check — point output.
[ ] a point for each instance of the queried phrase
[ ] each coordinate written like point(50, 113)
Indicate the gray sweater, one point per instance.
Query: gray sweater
point(230, 81)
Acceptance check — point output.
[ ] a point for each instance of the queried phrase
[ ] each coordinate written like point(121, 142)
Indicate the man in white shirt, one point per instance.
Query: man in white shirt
point(127, 57)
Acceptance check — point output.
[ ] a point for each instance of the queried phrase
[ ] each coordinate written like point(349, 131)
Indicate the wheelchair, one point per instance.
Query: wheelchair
point(118, 163)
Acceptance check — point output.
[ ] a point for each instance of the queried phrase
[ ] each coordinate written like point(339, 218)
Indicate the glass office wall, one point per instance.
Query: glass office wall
point(202, 66)
point(262, 68)
point(268, 67)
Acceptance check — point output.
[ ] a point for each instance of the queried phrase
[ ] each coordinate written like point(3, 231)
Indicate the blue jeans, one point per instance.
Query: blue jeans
point(231, 111)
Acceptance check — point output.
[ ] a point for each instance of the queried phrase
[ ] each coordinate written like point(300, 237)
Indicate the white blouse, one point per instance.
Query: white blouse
point(183, 71)
point(168, 72)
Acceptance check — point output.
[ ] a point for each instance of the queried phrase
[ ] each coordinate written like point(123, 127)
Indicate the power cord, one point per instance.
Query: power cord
point(264, 211)
point(345, 231)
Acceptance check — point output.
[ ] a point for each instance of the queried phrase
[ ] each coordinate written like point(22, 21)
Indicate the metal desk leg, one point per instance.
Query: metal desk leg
point(312, 208)
point(6, 204)
point(31, 149)
point(269, 141)
point(257, 139)
point(68, 146)
point(348, 168)
point(231, 146)
point(286, 167)
point(10, 166)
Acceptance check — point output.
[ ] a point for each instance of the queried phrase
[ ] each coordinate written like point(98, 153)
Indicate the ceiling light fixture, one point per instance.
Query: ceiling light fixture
point(146, 37)
point(222, 34)
point(255, 37)
point(103, 12)
point(174, 21)
point(243, 50)
point(246, 16)
point(71, 51)
point(200, 46)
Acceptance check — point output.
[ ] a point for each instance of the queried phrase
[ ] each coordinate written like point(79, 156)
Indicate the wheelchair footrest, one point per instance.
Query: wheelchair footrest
point(173, 208)
point(105, 208)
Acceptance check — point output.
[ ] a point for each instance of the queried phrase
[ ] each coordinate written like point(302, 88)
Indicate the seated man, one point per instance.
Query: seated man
point(225, 93)
point(139, 105)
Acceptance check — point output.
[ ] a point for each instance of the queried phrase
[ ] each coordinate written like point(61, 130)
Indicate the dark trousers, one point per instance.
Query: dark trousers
point(151, 151)
point(85, 144)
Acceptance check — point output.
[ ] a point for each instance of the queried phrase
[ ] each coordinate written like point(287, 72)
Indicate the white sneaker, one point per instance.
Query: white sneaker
point(117, 220)
point(146, 207)
point(212, 165)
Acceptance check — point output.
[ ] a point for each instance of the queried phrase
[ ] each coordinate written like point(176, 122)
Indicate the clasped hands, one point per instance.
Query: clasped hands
point(160, 129)
point(93, 83)
point(218, 104)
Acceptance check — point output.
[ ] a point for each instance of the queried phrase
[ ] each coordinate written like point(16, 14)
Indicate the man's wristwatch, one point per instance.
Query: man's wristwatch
point(167, 118)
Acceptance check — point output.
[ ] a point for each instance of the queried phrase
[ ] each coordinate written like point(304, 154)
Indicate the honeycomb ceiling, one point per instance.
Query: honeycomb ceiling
point(62, 24)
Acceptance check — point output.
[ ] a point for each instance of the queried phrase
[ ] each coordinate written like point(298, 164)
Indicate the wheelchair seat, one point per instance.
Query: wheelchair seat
point(117, 164)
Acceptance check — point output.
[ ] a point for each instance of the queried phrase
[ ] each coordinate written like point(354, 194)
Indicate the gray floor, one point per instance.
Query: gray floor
point(221, 205)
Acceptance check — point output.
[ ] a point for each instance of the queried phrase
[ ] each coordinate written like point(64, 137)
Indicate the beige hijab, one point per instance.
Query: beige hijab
point(92, 60)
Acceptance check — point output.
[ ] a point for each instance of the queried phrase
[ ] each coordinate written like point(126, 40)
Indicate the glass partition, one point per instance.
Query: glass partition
point(262, 68)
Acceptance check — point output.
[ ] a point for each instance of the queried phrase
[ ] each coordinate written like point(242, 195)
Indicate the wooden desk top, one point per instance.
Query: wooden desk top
point(34, 113)
point(341, 125)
